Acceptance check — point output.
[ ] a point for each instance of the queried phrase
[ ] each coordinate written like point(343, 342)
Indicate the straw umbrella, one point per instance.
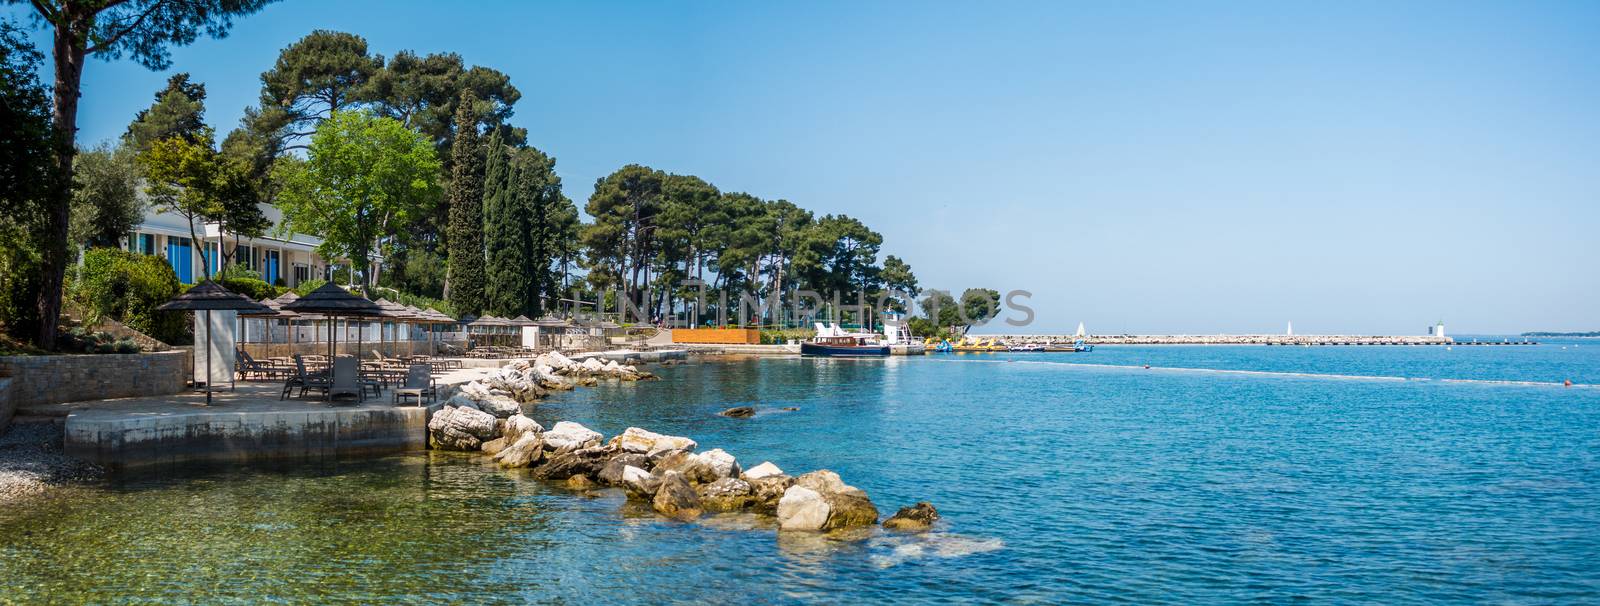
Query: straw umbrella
point(395, 312)
point(206, 297)
point(435, 318)
point(287, 316)
point(333, 302)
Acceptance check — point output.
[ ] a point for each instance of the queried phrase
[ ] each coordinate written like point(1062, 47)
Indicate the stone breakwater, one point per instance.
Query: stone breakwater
point(667, 472)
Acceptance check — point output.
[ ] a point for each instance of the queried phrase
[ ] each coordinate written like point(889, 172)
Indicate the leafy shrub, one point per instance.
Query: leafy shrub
point(20, 279)
point(307, 286)
point(250, 287)
point(780, 337)
point(128, 287)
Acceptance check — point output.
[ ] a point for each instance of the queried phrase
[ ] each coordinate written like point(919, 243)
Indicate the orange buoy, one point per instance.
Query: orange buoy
point(1568, 383)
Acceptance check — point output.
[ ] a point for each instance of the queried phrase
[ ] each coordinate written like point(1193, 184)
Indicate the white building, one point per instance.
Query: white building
point(280, 261)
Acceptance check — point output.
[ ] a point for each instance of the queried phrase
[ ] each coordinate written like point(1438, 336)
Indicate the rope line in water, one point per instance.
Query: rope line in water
point(1277, 373)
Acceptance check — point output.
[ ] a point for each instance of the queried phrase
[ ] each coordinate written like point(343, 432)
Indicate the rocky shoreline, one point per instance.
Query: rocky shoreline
point(665, 471)
point(32, 463)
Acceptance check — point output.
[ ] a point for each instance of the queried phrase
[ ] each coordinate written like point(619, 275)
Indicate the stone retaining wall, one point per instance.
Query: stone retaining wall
point(72, 378)
point(8, 406)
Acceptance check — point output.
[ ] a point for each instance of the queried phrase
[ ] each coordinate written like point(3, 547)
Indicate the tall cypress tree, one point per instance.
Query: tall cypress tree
point(505, 229)
point(541, 204)
point(465, 283)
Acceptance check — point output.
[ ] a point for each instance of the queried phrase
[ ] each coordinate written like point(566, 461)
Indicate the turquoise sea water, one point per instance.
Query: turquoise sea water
point(1345, 475)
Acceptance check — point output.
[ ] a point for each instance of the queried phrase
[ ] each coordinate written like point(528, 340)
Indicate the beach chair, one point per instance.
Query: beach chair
point(346, 379)
point(419, 384)
point(303, 380)
point(248, 366)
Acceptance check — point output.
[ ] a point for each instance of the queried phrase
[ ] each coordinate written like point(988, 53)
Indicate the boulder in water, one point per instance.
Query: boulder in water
point(739, 412)
point(640, 483)
point(802, 508)
point(642, 441)
point(916, 517)
point(821, 495)
point(527, 450)
point(519, 424)
point(563, 464)
point(611, 473)
point(675, 498)
point(567, 434)
point(581, 482)
point(460, 428)
point(493, 447)
point(766, 491)
point(766, 468)
point(726, 494)
point(722, 464)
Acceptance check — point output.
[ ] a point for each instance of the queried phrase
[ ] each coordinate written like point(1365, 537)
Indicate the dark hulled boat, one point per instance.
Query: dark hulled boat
point(842, 346)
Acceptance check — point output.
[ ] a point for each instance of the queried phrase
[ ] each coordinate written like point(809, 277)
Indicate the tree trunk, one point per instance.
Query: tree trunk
point(70, 44)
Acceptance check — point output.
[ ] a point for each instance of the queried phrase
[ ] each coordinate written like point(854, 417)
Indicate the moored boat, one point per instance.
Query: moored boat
point(845, 345)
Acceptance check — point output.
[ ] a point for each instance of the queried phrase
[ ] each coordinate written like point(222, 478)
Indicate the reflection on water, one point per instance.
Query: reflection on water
point(1056, 484)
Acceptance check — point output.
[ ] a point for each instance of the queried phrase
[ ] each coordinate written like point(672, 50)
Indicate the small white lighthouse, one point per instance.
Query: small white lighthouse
point(1437, 330)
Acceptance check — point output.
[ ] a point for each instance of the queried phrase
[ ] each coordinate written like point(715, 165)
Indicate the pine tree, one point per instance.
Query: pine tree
point(505, 229)
point(464, 285)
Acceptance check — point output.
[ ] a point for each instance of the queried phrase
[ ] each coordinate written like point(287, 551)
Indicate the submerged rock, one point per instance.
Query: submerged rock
point(581, 482)
point(916, 517)
point(739, 412)
point(567, 434)
point(676, 499)
point(642, 441)
point(460, 428)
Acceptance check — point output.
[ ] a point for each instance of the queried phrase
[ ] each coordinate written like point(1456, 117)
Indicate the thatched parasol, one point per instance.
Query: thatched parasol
point(333, 302)
point(206, 297)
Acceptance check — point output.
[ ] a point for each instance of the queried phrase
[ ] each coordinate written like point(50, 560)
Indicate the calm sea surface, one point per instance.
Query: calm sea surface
point(1220, 475)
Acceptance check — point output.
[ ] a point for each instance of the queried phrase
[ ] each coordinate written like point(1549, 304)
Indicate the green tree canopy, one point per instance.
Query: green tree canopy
point(363, 175)
point(179, 111)
point(140, 29)
point(105, 203)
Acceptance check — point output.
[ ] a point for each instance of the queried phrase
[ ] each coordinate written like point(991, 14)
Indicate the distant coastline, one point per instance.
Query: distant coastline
point(1561, 334)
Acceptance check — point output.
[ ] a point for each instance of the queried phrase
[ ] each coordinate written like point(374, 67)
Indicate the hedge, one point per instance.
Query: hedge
point(128, 287)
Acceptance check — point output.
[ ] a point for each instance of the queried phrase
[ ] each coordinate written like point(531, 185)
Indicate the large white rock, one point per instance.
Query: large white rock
point(802, 508)
point(828, 482)
point(765, 469)
point(500, 406)
point(722, 464)
point(526, 451)
point(461, 428)
point(567, 434)
point(593, 365)
point(643, 441)
point(520, 424)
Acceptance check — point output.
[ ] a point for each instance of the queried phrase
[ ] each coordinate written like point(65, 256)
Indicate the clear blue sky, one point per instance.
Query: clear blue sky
point(1141, 167)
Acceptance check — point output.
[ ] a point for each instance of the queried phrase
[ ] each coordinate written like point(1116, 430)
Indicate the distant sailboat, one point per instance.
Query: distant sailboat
point(1081, 331)
point(1289, 332)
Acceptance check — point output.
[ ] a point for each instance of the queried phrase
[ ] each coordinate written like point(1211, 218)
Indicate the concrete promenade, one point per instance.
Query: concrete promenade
point(247, 424)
